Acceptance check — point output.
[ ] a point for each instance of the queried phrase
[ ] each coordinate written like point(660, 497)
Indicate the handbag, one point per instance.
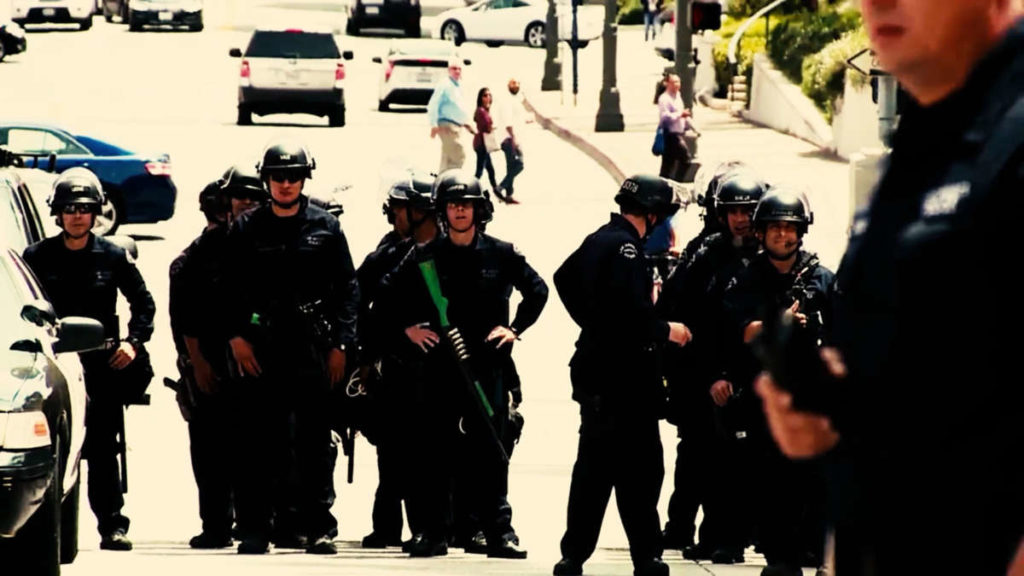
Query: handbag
point(491, 142)
point(658, 148)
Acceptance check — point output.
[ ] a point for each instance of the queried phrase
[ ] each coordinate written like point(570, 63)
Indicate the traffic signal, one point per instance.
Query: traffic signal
point(705, 15)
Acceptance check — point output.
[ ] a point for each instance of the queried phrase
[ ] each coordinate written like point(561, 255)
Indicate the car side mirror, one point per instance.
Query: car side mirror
point(126, 243)
point(39, 312)
point(235, 53)
point(468, 61)
point(347, 55)
point(77, 334)
point(376, 59)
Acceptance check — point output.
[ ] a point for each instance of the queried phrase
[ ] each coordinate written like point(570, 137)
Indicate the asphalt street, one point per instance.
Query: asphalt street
point(175, 92)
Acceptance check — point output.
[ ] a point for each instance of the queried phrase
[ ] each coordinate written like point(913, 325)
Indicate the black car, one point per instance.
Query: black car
point(12, 39)
point(42, 411)
point(400, 14)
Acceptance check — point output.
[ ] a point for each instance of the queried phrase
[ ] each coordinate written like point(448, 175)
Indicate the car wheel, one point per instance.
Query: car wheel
point(39, 539)
point(197, 27)
point(452, 32)
point(383, 106)
point(493, 43)
point(244, 115)
point(85, 23)
point(69, 525)
point(351, 28)
point(3, 51)
point(109, 218)
point(535, 36)
point(336, 119)
point(414, 31)
point(133, 24)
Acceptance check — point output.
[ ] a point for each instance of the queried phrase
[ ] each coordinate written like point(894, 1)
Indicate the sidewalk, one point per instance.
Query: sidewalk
point(778, 157)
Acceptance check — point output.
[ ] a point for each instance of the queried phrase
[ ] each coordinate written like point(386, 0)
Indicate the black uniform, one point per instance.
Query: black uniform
point(789, 497)
point(478, 281)
point(195, 275)
point(387, 432)
point(606, 287)
point(280, 266)
point(85, 283)
point(706, 462)
point(929, 418)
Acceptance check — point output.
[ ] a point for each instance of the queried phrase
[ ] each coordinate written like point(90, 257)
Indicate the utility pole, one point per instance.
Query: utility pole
point(684, 65)
point(552, 80)
point(609, 113)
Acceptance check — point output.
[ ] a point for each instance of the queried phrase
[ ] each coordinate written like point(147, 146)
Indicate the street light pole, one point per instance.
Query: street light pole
point(609, 113)
point(684, 65)
point(552, 66)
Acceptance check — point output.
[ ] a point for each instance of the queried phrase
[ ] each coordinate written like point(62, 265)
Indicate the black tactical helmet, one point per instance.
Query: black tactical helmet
point(739, 188)
point(457, 184)
point(414, 187)
point(650, 194)
point(242, 181)
point(709, 176)
point(286, 155)
point(784, 204)
point(76, 186)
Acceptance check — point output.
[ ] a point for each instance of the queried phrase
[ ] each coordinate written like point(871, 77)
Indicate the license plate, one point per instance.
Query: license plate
point(425, 77)
point(49, 12)
point(166, 16)
point(372, 10)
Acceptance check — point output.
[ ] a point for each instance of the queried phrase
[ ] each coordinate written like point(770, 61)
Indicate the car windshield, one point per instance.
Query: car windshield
point(292, 45)
point(12, 222)
point(11, 301)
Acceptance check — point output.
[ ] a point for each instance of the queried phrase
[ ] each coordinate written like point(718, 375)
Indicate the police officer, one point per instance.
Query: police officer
point(606, 288)
point(782, 279)
point(202, 347)
point(924, 435)
point(476, 274)
point(291, 299)
point(410, 208)
point(705, 183)
point(693, 295)
point(82, 274)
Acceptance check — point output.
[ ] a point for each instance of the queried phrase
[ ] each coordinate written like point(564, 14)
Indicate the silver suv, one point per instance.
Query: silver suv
point(292, 71)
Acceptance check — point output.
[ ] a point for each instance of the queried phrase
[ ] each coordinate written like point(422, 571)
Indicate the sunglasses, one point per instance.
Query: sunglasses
point(77, 209)
point(288, 176)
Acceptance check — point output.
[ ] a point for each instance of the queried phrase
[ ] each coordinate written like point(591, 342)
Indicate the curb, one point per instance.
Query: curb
point(595, 154)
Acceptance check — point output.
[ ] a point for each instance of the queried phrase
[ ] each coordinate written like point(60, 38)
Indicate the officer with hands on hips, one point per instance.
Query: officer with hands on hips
point(291, 301)
point(82, 274)
point(606, 287)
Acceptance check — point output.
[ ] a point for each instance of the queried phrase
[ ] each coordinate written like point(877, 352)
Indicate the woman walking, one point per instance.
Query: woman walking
point(484, 136)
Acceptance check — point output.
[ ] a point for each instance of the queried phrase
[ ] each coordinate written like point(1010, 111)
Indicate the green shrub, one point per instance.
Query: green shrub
point(630, 12)
point(824, 73)
point(753, 41)
point(805, 34)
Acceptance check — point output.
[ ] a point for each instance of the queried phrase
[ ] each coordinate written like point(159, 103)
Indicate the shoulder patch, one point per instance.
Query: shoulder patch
point(629, 251)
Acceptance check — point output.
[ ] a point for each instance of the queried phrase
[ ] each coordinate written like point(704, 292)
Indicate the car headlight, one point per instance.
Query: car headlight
point(24, 430)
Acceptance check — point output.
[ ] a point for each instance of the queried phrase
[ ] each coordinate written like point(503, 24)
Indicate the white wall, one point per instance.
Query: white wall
point(778, 103)
point(855, 124)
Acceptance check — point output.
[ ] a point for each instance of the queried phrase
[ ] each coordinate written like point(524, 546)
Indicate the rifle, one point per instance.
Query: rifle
point(457, 345)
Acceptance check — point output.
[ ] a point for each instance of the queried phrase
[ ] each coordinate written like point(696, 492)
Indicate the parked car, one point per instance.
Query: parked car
point(12, 39)
point(292, 70)
point(20, 221)
point(140, 13)
point(42, 422)
point(411, 70)
point(138, 186)
point(53, 11)
point(498, 21)
point(403, 15)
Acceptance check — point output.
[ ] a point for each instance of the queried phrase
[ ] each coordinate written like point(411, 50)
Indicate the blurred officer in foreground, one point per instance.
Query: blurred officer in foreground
point(291, 299)
point(202, 348)
point(82, 274)
point(708, 468)
point(475, 273)
point(410, 208)
point(923, 433)
point(606, 288)
point(782, 279)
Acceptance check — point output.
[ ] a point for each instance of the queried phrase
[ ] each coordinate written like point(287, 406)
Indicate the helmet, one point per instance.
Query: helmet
point(650, 194)
point(457, 184)
point(738, 188)
point(414, 187)
point(241, 181)
point(212, 201)
point(76, 186)
point(705, 182)
point(784, 204)
point(286, 154)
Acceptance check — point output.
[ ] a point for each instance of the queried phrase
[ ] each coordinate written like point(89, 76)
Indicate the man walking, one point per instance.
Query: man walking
point(512, 116)
point(448, 115)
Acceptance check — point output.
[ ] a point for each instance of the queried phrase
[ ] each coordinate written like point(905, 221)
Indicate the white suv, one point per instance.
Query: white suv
point(56, 11)
point(292, 71)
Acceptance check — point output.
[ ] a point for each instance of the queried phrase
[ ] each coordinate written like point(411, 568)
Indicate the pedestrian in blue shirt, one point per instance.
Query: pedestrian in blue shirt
point(447, 115)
